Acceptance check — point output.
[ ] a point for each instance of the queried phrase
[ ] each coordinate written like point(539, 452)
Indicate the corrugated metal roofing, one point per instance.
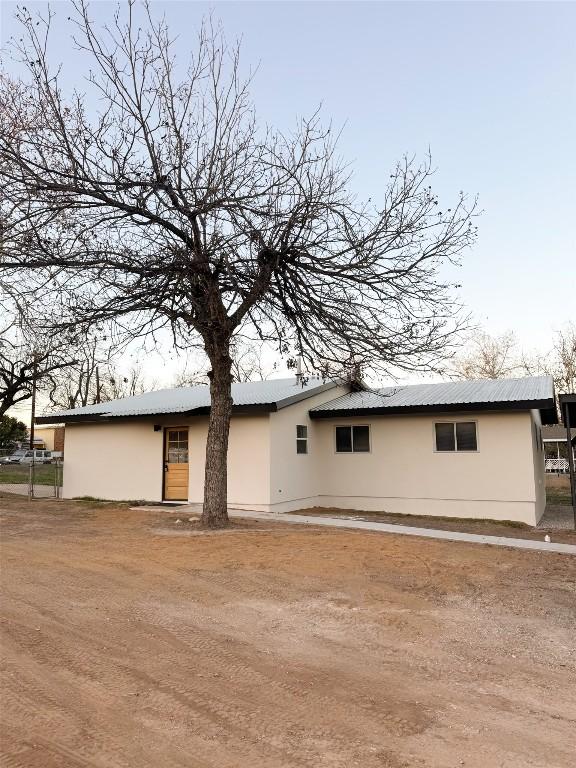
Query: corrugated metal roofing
point(557, 432)
point(278, 393)
point(275, 392)
point(413, 396)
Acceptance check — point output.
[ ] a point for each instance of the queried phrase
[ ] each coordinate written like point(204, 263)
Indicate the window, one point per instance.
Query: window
point(456, 436)
point(177, 446)
point(355, 439)
point(301, 438)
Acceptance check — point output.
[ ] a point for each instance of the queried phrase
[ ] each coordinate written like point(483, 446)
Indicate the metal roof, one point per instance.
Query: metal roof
point(557, 432)
point(568, 407)
point(486, 394)
point(502, 394)
point(253, 395)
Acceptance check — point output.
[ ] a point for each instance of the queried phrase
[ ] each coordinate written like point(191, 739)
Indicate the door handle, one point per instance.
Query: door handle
point(165, 467)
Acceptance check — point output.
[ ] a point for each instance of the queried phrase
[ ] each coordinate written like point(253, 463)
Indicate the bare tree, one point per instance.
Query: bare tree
point(127, 384)
point(489, 357)
point(96, 376)
point(565, 349)
point(81, 383)
point(28, 359)
point(560, 362)
point(497, 357)
point(163, 203)
point(248, 361)
point(248, 364)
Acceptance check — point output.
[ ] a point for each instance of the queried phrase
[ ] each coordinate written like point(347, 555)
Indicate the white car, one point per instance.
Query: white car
point(23, 456)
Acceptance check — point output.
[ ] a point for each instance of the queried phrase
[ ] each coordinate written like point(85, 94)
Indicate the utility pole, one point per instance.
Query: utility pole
point(32, 417)
point(97, 384)
point(33, 414)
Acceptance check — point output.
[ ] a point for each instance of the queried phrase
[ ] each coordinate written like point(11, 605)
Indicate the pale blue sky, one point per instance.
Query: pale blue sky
point(489, 86)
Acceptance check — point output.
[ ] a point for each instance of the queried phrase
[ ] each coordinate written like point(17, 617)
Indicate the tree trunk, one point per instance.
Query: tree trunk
point(215, 512)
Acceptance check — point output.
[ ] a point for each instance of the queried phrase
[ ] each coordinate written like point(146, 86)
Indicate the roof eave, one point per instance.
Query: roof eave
point(100, 418)
point(237, 410)
point(568, 408)
point(546, 407)
point(305, 394)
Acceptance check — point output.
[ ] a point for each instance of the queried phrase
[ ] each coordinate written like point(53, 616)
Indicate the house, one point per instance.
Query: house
point(51, 438)
point(464, 449)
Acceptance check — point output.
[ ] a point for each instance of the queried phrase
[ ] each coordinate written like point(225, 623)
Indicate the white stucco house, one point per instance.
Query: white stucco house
point(463, 449)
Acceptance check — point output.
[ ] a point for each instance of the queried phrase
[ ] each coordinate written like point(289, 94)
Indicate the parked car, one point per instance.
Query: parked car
point(23, 456)
point(14, 458)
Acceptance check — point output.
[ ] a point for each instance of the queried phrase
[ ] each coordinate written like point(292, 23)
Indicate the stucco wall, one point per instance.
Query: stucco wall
point(248, 460)
point(117, 461)
point(53, 437)
point(538, 456)
point(47, 435)
point(124, 460)
point(402, 473)
point(294, 478)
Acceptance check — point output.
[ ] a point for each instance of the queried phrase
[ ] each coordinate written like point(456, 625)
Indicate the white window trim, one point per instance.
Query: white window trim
point(455, 421)
point(302, 440)
point(353, 452)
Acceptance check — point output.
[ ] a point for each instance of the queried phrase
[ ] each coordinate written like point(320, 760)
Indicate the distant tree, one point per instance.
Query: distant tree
point(162, 203)
point(81, 384)
point(128, 384)
point(95, 377)
point(560, 362)
point(28, 359)
point(489, 357)
point(12, 432)
point(248, 364)
point(498, 357)
point(248, 361)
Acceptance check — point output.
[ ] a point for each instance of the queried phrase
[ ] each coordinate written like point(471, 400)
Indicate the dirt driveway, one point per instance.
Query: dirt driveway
point(129, 641)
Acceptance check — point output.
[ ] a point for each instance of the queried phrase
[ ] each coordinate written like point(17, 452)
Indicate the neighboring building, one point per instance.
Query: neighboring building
point(459, 449)
point(555, 442)
point(51, 438)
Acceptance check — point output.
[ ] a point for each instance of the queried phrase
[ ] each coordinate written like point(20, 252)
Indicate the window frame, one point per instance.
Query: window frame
point(454, 422)
point(302, 440)
point(352, 452)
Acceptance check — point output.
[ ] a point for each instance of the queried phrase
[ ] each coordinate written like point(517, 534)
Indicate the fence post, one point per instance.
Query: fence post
point(31, 480)
point(57, 476)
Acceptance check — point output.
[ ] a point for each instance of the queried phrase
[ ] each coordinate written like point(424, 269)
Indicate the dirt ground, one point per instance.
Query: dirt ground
point(130, 641)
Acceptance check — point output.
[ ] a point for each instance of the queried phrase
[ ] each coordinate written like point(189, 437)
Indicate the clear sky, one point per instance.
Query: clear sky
point(490, 87)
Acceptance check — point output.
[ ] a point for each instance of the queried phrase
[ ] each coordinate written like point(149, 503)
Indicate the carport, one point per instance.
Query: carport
point(568, 414)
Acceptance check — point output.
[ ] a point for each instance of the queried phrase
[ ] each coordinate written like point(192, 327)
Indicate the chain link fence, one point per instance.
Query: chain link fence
point(33, 480)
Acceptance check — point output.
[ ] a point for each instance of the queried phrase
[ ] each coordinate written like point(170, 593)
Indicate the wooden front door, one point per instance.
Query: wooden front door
point(176, 464)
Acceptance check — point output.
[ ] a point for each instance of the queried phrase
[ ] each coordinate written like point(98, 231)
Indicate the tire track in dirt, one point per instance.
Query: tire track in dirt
point(278, 649)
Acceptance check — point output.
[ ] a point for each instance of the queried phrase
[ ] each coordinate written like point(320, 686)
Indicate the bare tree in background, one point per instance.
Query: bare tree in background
point(131, 382)
point(498, 357)
point(248, 361)
point(163, 203)
point(489, 357)
point(560, 362)
point(28, 359)
point(248, 364)
point(96, 376)
point(23, 366)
